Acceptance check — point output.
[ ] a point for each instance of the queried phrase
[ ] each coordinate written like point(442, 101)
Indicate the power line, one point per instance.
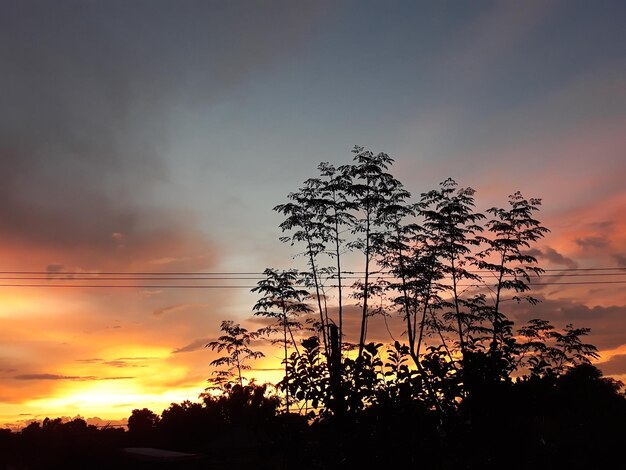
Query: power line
point(237, 278)
point(204, 286)
point(138, 273)
point(53, 278)
point(129, 286)
point(122, 278)
point(240, 273)
point(576, 283)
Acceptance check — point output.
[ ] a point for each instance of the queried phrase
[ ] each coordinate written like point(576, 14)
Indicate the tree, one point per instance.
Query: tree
point(547, 352)
point(451, 224)
point(142, 425)
point(335, 207)
point(442, 265)
point(511, 231)
point(183, 426)
point(377, 196)
point(283, 303)
point(320, 215)
point(236, 342)
point(243, 406)
point(304, 220)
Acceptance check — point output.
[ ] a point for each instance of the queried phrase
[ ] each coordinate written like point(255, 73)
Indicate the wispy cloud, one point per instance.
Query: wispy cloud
point(193, 346)
point(177, 308)
point(66, 377)
point(120, 362)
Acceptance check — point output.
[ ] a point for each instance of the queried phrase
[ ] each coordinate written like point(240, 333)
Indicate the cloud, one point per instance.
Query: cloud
point(195, 345)
point(137, 358)
point(89, 94)
point(553, 256)
point(94, 360)
point(614, 366)
point(620, 259)
point(55, 271)
point(120, 362)
point(607, 323)
point(593, 242)
point(65, 377)
point(177, 308)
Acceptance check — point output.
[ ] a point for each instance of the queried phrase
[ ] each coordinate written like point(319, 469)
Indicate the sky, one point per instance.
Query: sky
point(157, 136)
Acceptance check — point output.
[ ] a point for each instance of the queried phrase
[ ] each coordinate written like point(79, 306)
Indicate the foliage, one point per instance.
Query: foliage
point(57, 443)
point(547, 352)
point(446, 269)
point(236, 342)
point(449, 272)
point(283, 303)
point(247, 405)
point(142, 425)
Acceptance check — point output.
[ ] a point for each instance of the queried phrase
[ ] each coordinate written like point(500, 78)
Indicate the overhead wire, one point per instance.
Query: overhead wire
point(125, 279)
point(249, 273)
point(95, 277)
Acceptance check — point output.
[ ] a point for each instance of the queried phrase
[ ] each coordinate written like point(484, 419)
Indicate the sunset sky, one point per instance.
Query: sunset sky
point(157, 136)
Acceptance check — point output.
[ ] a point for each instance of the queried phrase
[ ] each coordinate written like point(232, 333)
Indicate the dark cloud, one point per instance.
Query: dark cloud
point(608, 324)
point(137, 358)
point(88, 91)
point(614, 366)
point(620, 260)
point(58, 271)
point(94, 360)
point(593, 242)
point(605, 225)
point(195, 345)
point(65, 377)
point(121, 362)
point(552, 256)
point(52, 269)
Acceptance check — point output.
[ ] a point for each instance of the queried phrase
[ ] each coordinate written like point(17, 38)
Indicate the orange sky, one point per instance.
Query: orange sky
point(103, 352)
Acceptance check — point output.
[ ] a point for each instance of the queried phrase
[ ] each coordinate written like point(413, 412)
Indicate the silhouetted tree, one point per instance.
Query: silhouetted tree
point(283, 302)
point(377, 197)
point(236, 342)
point(547, 352)
point(186, 426)
point(334, 209)
point(452, 223)
point(142, 425)
point(449, 272)
point(304, 222)
point(509, 233)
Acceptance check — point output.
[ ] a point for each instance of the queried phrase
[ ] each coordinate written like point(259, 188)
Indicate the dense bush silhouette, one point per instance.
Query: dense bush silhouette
point(572, 420)
point(56, 444)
